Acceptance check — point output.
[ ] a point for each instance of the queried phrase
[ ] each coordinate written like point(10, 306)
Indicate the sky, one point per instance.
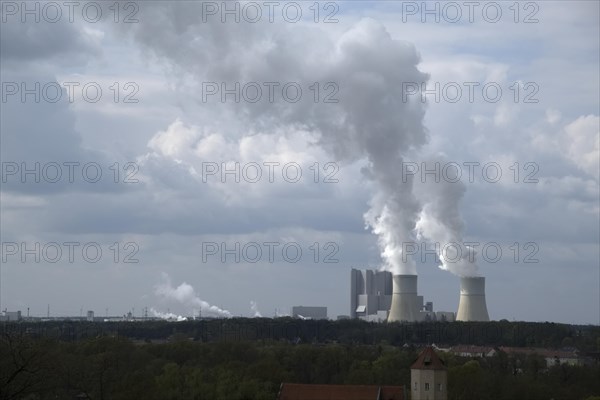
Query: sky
point(241, 159)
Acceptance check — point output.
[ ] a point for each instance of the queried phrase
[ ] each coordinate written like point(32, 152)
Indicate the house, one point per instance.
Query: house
point(429, 377)
point(473, 351)
point(552, 357)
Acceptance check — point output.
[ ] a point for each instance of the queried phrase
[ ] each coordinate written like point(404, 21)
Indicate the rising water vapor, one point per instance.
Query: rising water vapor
point(168, 316)
point(254, 309)
point(185, 295)
point(372, 117)
point(441, 224)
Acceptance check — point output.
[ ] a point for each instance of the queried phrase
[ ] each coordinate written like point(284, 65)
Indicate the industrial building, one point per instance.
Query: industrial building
point(472, 305)
point(379, 296)
point(6, 316)
point(309, 312)
point(370, 294)
point(406, 304)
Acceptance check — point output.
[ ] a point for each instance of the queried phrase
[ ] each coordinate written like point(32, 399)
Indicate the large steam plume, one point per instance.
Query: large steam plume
point(185, 295)
point(372, 119)
point(441, 224)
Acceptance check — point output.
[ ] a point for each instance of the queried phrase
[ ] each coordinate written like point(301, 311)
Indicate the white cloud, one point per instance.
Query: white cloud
point(582, 142)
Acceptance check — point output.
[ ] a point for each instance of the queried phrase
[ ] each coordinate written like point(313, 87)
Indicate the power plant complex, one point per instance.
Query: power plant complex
point(381, 296)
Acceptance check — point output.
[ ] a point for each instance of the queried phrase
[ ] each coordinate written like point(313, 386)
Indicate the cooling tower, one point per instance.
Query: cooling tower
point(472, 300)
point(405, 305)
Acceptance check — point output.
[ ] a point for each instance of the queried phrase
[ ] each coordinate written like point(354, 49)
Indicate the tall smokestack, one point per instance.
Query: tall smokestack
point(405, 305)
point(472, 305)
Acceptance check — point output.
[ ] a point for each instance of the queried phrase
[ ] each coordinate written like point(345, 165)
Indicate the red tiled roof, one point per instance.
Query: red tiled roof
point(296, 391)
point(392, 393)
point(428, 360)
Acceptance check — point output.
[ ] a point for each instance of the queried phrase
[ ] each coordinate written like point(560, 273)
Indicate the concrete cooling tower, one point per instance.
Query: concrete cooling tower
point(472, 305)
point(405, 302)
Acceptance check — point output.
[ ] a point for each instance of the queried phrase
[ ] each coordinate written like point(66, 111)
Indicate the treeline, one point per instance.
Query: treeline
point(117, 368)
point(494, 333)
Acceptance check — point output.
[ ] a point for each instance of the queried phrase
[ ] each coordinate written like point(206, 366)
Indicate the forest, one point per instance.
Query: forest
point(248, 359)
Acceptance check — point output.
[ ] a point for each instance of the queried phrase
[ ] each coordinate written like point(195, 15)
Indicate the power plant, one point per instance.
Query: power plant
point(381, 296)
point(405, 301)
point(472, 305)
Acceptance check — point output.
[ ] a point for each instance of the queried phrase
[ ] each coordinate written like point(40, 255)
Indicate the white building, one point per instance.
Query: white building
point(6, 316)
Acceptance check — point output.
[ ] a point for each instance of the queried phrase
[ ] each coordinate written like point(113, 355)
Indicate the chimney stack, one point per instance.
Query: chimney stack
point(472, 305)
point(405, 305)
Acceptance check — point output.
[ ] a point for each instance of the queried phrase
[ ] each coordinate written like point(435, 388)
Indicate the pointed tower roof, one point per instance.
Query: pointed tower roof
point(428, 360)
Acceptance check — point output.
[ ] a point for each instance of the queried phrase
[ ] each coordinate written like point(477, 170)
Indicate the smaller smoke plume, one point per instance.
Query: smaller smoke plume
point(254, 308)
point(440, 222)
point(168, 316)
point(185, 295)
point(281, 314)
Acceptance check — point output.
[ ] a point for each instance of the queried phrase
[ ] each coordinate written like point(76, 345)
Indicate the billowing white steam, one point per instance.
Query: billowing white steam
point(184, 294)
point(168, 316)
point(441, 224)
point(254, 309)
point(373, 119)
